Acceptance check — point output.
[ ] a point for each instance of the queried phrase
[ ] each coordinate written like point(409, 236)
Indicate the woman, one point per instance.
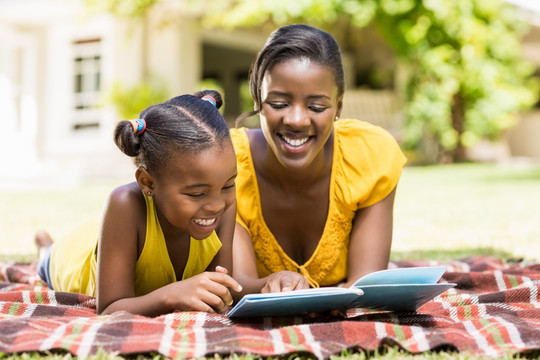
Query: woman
point(315, 193)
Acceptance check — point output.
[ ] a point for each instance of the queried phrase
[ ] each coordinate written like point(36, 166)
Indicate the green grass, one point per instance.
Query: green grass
point(441, 212)
point(469, 209)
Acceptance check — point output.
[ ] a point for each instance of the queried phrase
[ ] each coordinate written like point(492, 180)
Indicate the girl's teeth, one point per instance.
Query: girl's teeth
point(295, 142)
point(205, 222)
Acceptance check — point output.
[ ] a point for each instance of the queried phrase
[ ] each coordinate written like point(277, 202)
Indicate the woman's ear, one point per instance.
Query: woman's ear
point(339, 107)
point(145, 180)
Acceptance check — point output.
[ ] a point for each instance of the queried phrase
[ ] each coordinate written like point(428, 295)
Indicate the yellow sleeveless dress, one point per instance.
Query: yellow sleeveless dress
point(367, 165)
point(73, 262)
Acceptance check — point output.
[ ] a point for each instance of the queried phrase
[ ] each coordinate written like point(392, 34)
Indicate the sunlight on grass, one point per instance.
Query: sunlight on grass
point(56, 210)
point(440, 212)
point(469, 206)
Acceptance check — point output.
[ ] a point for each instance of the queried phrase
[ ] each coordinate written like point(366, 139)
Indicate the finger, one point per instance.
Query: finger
point(265, 288)
point(274, 285)
point(201, 305)
point(225, 280)
point(214, 301)
point(231, 283)
point(221, 269)
point(301, 284)
point(286, 284)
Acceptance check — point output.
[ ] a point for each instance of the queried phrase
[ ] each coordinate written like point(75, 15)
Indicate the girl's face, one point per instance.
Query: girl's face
point(193, 193)
point(299, 105)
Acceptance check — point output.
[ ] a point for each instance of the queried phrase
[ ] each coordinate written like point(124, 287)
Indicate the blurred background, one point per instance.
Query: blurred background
point(456, 82)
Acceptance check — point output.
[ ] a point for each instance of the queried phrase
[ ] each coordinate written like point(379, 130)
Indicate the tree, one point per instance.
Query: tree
point(465, 77)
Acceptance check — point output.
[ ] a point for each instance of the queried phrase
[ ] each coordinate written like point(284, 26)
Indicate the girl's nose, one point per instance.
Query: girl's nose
point(215, 205)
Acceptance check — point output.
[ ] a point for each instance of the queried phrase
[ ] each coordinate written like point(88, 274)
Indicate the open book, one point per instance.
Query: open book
point(403, 289)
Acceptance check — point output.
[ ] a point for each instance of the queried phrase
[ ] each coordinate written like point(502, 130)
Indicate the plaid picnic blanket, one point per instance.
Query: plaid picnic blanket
point(494, 311)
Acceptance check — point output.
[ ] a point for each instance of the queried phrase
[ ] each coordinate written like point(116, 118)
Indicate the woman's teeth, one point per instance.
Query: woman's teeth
point(205, 222)
point(295, 142)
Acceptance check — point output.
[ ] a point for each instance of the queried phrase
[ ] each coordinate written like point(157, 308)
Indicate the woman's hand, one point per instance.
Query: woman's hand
point(284, 281)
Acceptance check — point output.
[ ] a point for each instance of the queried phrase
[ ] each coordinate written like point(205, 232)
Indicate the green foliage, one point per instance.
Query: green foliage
point(464, 48)
point(129, 101)
point(467, 50)
point(123, 8)
point(465, 77)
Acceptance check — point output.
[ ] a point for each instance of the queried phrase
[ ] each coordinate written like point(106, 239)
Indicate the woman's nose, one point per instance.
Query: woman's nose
point(297, 117)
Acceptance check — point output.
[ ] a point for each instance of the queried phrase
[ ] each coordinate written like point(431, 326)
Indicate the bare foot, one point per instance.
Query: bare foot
point(42, 239)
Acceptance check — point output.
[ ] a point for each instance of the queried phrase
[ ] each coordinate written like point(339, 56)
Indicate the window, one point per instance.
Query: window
point(86, 83)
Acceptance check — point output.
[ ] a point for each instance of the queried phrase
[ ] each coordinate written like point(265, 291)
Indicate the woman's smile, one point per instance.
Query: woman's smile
point(295, 144)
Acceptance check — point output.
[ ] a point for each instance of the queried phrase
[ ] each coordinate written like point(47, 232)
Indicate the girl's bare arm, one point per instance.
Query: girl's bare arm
point(117, 256)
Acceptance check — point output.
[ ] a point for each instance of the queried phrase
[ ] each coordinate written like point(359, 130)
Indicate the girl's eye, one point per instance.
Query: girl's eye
point(229, 187)
point(195, 195)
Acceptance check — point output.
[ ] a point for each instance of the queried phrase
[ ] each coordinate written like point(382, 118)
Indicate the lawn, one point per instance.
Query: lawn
point(441, 212)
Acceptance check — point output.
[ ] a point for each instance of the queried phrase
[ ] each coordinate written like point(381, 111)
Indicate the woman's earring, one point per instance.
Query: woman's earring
point(337, 117)
point(149, 193)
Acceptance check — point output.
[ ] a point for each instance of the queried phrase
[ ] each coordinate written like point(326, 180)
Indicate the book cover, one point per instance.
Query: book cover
point(403, 289)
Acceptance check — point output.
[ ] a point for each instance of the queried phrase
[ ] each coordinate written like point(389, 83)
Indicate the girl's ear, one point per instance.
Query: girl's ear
point(144, 180)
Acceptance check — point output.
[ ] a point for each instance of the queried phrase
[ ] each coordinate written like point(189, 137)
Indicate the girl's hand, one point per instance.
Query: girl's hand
point(207, 292)
point(284, 281)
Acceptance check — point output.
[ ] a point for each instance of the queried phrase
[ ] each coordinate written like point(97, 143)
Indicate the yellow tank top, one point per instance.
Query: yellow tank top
point(366, 166)
point(73, 262)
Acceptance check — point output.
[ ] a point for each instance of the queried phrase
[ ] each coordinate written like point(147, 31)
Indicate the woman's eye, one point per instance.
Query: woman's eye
point(317, 109)
point(229, 187)
point(277, 105)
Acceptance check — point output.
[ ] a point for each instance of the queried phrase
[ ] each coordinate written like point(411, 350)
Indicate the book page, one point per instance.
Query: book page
point(412, 275)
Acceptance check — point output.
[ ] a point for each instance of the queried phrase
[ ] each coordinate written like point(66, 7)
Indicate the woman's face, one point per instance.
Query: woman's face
point(299, 105)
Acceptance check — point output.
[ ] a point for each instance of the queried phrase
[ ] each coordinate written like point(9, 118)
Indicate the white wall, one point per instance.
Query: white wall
point(43, 31)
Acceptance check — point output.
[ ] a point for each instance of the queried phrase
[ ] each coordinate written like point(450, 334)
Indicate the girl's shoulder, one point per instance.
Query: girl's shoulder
point(127, 197)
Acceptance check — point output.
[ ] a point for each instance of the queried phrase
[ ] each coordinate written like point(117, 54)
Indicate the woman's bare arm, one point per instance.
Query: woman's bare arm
point(371, 239)
point(245, 269)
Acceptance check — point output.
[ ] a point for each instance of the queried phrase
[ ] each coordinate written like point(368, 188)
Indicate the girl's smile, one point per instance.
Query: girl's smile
point(193, 194)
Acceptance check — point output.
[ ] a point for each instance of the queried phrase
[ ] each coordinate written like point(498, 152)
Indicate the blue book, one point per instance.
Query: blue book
point(403, 289)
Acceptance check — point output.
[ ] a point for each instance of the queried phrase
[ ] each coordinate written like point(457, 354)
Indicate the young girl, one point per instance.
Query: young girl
point(315, 193)
point(159, 240)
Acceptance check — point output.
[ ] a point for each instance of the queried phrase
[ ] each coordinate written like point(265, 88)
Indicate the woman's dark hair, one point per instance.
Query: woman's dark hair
point(290, 42)
point(185, 123)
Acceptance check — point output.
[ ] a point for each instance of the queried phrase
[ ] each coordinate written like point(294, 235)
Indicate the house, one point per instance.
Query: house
point(58, 62)
point(523, 138)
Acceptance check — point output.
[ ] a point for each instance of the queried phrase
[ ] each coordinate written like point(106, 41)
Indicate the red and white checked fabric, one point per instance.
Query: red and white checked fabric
point(493, 311)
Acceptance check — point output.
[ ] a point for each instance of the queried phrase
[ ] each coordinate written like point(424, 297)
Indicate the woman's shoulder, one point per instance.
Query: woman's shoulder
point(354, 129)
point(360, 139)
point(369, 161)
point(247, 143)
